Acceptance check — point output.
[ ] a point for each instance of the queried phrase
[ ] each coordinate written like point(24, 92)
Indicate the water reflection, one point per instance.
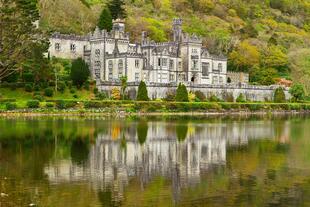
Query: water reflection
point(180, 151)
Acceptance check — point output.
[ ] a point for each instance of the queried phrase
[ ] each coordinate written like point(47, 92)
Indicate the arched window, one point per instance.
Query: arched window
point(120, 68)
point(220, 67)
point(72, 47)
point(97, 52)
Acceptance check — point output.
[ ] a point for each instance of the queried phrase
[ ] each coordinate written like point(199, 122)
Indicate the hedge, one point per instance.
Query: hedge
point(33, 104)
point(5, 100)
point(65, 104)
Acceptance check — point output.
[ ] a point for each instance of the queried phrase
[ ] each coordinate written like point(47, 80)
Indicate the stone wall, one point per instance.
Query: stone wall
point(157, 91)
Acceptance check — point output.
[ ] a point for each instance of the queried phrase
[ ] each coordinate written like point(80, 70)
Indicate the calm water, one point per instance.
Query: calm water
point(155, 162)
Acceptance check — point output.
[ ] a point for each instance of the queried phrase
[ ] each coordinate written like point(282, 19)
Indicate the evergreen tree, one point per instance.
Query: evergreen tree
point(182, 94)
point(279, 96)
point(105, 20)
point(142, 130)
point(117, 9)
point(142, 92)
point(79, 72)
point(19, 35)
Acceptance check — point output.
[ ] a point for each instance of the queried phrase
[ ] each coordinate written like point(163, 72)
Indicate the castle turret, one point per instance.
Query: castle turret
point(119, 25)
point(177, 29)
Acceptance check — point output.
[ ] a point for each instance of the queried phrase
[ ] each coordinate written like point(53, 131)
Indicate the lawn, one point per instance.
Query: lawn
point(22, 96)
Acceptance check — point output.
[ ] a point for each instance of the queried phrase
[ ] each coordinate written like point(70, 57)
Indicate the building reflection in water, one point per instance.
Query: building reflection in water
point(181, 152)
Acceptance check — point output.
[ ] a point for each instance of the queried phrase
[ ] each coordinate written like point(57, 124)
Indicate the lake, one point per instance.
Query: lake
point(155, 161)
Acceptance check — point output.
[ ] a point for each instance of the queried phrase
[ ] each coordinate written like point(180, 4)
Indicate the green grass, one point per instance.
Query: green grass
point(22, 96)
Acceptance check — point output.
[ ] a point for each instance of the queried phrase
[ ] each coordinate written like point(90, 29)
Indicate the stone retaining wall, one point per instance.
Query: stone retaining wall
point(155, 91)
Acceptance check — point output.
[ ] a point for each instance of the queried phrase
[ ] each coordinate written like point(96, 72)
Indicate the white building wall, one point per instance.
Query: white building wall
point(65, 51)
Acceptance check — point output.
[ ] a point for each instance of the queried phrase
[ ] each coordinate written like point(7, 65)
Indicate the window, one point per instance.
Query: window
point(97, 64)
point(194, 51)
point(215, 80)
point(57, 46)
point(137, 77)
point(159, 62)
point(180, 65)
point(171, 77)
point(72, 47)
point(110, 66)
point(97, 52)
point(194, 64)
point(97, 73)
point(171, 64)
point(220, 67)
point(205, 69)
point(120, 68)
point(137, 63)
point(164, 62)
point(221, 80)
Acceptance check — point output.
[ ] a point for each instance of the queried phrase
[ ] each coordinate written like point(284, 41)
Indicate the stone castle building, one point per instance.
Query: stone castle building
point(110, 56)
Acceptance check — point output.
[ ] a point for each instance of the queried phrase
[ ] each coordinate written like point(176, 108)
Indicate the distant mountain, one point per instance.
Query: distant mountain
point(268, 38)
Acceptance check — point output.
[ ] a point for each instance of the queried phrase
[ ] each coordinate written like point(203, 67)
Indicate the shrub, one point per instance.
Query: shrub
point(214, 98)
point(228, 97)
point(10, 106)
point(72, 91)
point(86, 85)
point(170, 95)
point(38, 97)
point(49, 105)
point(200, 95)
point(142, 92)
point(191, 97)
point(61, 86)
point(279, 95)
point(115, 94)
point(49, 92)
point(36, 88)
point(33, 104)
point(62, 104)
point(28, 77)
point(182, 94)
point(96, 90)
point(240, 98)
point(75, 96)
point(28, 87)
point(79, 72)
point(298, 92)
point(101, 95)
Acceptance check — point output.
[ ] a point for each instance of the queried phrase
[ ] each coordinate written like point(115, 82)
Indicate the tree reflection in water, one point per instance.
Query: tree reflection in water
point(155, 163)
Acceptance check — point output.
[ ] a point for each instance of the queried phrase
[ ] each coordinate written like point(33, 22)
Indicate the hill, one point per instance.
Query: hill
point(268, 38)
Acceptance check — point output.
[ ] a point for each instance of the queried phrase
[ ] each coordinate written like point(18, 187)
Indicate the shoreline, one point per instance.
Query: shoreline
point(78, 113)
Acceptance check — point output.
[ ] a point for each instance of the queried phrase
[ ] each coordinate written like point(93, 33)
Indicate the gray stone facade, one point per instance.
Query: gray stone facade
point(159, 91)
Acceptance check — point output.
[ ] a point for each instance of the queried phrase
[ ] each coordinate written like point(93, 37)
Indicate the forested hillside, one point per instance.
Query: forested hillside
point(268, 38)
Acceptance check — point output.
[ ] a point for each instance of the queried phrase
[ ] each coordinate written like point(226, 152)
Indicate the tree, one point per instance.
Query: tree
point(279, 95)
point(263, 76)
point(79, 72)
point(117, 9)
point(298, 92)
point(19, 35)
point(274, 57)
point(182, 94)
point(142, 92)
point(105, 20)
point(124, 85)
point(245, 56)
